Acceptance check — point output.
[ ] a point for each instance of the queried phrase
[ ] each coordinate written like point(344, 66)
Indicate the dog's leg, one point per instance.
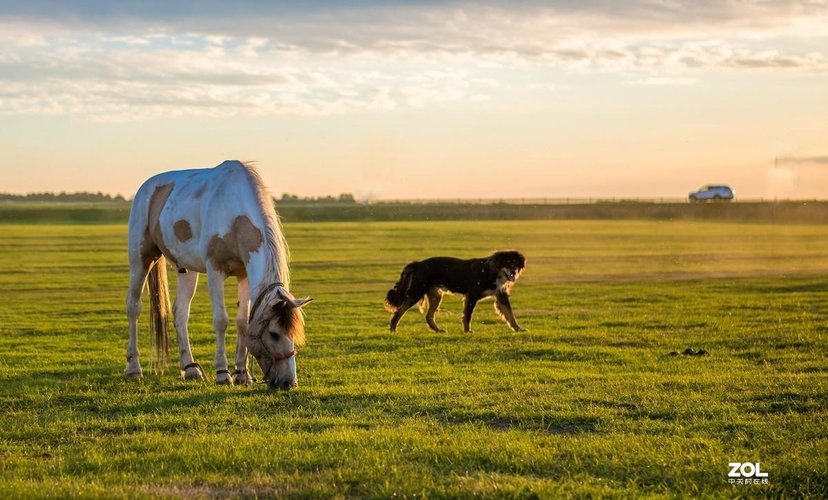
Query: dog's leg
point(434, 298)
point(398, 314)
point(468, 309)
point(504, 310)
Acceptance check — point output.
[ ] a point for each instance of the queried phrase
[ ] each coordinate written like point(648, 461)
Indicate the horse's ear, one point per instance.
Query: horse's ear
point(279, 304)
point(301, 302)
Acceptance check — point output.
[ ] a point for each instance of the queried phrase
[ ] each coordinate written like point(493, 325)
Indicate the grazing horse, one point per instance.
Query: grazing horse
point(218, 221)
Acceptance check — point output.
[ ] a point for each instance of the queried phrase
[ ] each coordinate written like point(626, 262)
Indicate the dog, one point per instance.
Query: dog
point(476, 279)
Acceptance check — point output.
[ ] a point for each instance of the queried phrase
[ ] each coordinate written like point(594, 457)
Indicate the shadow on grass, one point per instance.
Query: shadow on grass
point(554, 355)
point(556, 425)
point(393, 408)
point(590, 341)
point(612, 405)
point(632, 410)
point(788, 402)
point(821, 287)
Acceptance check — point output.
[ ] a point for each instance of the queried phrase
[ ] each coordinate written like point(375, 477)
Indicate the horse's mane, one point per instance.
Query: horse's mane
point(292, 320)
point(277, 269)
point(289, 317)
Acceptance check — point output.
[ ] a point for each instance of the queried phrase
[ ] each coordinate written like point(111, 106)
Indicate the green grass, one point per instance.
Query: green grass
point(587, 402)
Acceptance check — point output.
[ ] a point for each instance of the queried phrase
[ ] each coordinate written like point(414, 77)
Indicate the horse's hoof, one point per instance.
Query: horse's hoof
point(242, 377)
point(134, 375)
point(224, 380)
point(194, 373)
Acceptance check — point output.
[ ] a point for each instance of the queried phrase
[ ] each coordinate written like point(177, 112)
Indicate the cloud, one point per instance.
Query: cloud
point(88, 77)
point(196, 14)
point(802, 160)
point(127, 60)
point(783, 177)
point(664, 80)
point(362, 25)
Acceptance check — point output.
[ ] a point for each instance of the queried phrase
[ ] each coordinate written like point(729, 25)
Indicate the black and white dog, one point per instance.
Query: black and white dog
point(474, 278)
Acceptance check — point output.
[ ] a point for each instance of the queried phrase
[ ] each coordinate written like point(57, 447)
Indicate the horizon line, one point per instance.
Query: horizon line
point(512, 200)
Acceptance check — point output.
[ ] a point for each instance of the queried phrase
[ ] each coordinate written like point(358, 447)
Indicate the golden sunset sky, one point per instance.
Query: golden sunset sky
point(420, 99)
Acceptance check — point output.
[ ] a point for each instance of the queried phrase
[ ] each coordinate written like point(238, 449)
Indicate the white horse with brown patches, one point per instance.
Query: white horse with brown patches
point(218, 221)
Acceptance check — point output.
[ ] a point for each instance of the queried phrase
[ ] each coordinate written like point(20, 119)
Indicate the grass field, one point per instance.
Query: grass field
point(587, 402)
point(790, 211)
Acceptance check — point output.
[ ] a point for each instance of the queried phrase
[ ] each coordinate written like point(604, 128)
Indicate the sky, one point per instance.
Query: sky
point(420, 99)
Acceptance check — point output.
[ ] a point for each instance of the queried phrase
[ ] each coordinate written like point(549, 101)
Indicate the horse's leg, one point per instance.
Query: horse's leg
point(215, 281)
point(241, 374)
point(138, 270)
point(187, 283)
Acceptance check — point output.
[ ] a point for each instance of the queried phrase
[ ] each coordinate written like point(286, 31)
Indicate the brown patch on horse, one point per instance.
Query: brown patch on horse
point(156, 205)
point(149, 250)
point(230, 253)
point(152, 245)
point(182, 230)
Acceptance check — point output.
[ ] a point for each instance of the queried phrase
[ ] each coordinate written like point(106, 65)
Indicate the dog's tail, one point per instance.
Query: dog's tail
point(396, 296)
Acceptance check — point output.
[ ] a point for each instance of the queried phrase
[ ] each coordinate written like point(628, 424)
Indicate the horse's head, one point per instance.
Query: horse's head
point(276, 328)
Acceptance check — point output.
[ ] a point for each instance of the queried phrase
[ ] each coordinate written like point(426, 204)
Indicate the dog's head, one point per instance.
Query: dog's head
point(509, 263)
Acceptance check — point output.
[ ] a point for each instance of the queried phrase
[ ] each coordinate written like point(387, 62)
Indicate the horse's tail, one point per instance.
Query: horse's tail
point(396, 296)
point(159, 294)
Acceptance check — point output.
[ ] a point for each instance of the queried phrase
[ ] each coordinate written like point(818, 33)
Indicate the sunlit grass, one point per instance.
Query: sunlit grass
point(586, 402)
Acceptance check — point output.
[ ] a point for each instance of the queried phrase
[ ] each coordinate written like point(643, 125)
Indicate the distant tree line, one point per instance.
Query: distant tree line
point(63, 197)
point(342, 199)
point(83, 196)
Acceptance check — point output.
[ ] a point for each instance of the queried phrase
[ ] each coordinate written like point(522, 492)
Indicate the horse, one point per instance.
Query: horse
point(220, 221)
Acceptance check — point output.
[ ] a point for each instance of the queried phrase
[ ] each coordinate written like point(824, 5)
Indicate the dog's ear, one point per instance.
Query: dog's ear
point(518, 260)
